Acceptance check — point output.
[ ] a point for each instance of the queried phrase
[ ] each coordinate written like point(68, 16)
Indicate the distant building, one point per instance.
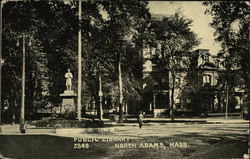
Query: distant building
point(198, 90)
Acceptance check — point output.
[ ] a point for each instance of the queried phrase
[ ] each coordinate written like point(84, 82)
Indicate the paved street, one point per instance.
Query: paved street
point(203, 141)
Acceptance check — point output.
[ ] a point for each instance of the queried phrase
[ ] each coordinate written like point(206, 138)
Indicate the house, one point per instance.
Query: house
point(198, 89)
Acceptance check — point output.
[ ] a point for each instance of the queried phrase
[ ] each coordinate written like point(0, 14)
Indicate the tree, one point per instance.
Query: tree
point(120, 29)
point(19, 19)
point(176, 39)
point(111, 32)
point(231, 24)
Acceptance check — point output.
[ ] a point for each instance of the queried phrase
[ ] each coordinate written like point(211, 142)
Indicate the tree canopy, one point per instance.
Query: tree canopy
point(109, 28)
point(231, 24)
point(176, 39)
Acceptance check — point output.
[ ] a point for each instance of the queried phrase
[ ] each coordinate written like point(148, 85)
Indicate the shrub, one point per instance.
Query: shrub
point(42, 123)
point(70, 123)
point(94, 123)
point(70, 115)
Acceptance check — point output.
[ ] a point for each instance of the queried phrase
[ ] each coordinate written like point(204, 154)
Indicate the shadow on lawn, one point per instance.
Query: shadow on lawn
point(45, 146)
point(226, 145)
point(212, 144)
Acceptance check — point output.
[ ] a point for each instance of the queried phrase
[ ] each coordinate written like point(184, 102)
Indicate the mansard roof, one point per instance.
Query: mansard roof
point(208, 65)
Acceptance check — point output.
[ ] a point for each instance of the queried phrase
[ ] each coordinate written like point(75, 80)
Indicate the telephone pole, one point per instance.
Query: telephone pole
point(79, 87)
point(1, 33)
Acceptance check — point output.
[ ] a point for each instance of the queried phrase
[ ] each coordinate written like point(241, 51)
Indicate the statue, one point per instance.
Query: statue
point(68, 101)
point(68, 77)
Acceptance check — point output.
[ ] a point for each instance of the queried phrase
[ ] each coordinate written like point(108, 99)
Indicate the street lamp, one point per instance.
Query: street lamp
point(100, 93)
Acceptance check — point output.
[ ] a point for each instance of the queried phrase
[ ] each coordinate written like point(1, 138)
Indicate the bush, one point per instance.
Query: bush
point(94, 123)
point(70, 115)
point(42, 123)
point(70, 123)
point(62, 123)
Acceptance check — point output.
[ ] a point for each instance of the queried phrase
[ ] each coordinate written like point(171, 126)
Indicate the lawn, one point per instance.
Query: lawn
point(53, 147)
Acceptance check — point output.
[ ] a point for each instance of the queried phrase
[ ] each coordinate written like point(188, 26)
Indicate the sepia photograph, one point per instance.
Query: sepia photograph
point(133, 79)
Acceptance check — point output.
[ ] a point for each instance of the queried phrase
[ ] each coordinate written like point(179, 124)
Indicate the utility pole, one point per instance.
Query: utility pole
point(22, 118)
point(1, 33)
point(79, 87)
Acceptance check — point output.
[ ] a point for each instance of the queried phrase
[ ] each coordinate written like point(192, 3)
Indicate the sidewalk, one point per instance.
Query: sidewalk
point(189, 120)
point(226, 121)
point(14, 129)
point(9, 129)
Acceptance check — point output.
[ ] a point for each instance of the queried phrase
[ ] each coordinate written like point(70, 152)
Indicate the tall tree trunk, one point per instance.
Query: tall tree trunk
point(227, 98)
point(120, 90)
point(172, 96)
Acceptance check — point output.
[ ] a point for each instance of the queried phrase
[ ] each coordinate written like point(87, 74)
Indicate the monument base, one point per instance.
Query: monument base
point(68, 101)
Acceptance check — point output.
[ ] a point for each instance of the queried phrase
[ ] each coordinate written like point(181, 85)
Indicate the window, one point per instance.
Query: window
point(206, 58)
point(206, 80)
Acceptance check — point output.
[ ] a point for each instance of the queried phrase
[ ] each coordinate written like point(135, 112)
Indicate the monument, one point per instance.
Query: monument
point(68, 97)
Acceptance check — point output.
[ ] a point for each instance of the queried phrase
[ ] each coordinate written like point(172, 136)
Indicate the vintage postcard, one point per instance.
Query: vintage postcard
point(113, 79)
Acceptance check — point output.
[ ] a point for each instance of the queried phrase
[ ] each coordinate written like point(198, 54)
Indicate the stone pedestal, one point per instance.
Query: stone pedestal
point(68, 101)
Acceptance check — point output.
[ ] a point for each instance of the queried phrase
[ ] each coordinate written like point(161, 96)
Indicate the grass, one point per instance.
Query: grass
point(204, 141)
point(45, 146)
point(53, 147)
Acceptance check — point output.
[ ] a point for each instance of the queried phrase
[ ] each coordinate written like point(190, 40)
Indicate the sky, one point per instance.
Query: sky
point(195, 11)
